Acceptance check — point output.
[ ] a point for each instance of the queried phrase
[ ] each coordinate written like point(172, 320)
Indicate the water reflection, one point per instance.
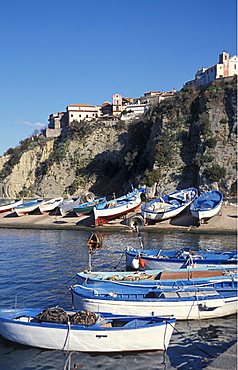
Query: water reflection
point(38, 267)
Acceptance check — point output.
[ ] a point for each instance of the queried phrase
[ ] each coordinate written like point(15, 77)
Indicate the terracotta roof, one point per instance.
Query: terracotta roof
point(81, 105)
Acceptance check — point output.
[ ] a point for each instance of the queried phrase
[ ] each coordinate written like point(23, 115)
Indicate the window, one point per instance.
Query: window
point(86, 115)
point(71, 115)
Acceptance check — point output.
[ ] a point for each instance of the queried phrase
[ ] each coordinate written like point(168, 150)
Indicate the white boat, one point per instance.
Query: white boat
point(25, 208)
point(115, 208)
point(9, 205)
point(207, 205)
point(169, 205)
point(217, 299)
point(107, 334)
point(68, 205)
point(50, 205)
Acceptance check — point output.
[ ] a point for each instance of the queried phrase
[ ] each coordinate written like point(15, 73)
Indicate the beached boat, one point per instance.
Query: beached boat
point(7, 205)
point(159, 277)
point(185, 302)
point(87, 207)
point(207, 205)
point(161, 259)
point(169, 205)
point(50, 205)
point(103, 334)
point(68, 205)
point(115, 208)
point(25, 208)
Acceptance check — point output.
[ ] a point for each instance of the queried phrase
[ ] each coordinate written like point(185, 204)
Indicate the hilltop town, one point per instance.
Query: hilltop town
point(129, 108)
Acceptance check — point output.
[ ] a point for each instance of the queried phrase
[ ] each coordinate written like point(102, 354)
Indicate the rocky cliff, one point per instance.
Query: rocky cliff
point(188, 140)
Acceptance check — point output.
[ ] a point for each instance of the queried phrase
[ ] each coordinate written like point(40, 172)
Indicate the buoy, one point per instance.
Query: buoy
point(141, 263)
point(135, 263)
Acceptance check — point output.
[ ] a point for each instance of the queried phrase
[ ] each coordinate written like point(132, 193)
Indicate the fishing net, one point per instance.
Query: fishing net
point(59, 316)
point(83, 318)
point(53, 314)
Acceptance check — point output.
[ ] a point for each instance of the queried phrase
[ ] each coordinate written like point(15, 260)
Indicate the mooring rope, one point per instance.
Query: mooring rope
point(200, 349)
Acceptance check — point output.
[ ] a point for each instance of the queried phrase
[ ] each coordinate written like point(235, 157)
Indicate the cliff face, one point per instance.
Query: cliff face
point(189, 140)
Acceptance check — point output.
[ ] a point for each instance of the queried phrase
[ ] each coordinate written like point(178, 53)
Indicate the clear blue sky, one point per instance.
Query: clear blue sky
point(58, 52)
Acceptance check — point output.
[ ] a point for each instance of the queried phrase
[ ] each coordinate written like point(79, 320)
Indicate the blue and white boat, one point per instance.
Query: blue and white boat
point(207, 205)
point(155, 259)
point(115, 208)
point(105, 334)
point(27, 207)
point(169, 205)
point(85, 208)
point(185, 302)
point(157, 277)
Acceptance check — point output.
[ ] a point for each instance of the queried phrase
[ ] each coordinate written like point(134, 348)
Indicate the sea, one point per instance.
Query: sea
point(37, 268)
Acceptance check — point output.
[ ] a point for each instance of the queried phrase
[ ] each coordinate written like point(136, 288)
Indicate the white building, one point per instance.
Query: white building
point(81, 112)
point(116, 104)
point(226, 67)
point(136, 108)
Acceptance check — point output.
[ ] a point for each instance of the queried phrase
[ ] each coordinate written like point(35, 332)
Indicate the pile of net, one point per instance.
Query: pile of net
point(60, 316)
point(142, 276)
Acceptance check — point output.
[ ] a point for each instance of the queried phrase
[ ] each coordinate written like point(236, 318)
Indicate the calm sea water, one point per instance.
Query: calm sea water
point(37, 268)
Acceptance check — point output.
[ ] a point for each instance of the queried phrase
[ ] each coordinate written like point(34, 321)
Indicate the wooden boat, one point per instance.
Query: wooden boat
point(207, 205)
point(115, 208)
point(185, 302)
point(68, 205)
point(87, 207)
point(50, 205)
point(185, 257)
point(9, 205)
point(105, 334)
point(159, 277)
point(169, 205)
point(25, 208)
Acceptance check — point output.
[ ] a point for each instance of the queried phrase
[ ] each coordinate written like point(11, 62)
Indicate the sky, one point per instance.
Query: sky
point(57, 52)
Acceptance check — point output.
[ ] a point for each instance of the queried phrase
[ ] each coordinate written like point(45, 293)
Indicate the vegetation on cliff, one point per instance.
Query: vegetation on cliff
point(188, 140)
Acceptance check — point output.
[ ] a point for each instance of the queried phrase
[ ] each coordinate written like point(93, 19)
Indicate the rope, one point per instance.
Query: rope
point(67, 336)
point(200, 349)
point(119, 261)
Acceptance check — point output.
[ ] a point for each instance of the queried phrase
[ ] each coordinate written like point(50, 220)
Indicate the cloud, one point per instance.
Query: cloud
point(35, 125)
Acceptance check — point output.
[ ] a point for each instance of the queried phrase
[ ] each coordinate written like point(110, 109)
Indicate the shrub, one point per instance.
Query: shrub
point(223, 121)
point(165, 150)
point(215, 173)
point(211, 142)
point(151, 177)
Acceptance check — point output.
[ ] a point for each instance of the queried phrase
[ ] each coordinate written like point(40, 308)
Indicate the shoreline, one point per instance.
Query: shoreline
point(224, 223)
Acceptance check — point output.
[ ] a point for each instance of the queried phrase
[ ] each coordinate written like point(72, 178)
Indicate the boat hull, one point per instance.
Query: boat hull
point(87, 339)
point(206, 215)
point(152, 262)
point(24, 209)
point(87, 208)
point(152, 277)
point(10, 206)
point(195, 309)
point(50, 205)
point(161, 209)
point(207, 205)
point(103, 216)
